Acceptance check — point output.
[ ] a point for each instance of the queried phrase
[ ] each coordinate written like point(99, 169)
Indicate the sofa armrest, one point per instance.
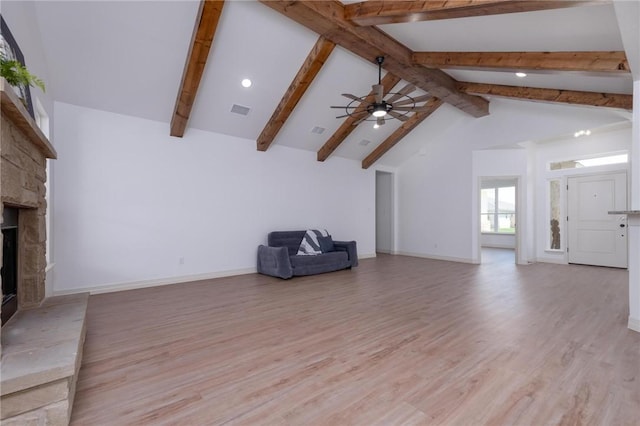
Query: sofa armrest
point(350, 248)
point(274, 261)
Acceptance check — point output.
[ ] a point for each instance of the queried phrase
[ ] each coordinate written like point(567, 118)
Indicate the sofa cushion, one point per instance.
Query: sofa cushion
point(309, 246)
point(326, 244)
point(289, 239)
point(326, 262)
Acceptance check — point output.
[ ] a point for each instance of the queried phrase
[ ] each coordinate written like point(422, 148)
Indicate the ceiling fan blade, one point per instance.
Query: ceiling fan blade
point(421, 108)
point(378, 92)
point(417, 99)
point(403, 92)
point(353, 114)
point(342, 106)
point(355, 123)
point(406, 108)
point(354, 97)
point(400, 117)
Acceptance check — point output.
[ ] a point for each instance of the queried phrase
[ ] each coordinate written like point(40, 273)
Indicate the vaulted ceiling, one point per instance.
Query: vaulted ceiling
point(182, 62)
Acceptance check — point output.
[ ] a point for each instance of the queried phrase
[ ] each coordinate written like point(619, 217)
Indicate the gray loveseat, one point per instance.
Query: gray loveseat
point(279, 258)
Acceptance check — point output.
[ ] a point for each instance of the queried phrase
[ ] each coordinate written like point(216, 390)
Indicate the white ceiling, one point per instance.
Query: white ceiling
point(127, 57)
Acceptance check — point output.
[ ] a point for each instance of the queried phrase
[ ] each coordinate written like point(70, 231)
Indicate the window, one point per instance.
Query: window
point(41, 116)
point(554, 214)
point(498, 210)
point(590, 162)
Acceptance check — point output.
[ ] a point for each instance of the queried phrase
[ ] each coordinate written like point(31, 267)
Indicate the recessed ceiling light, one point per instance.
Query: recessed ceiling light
point(246, 83)
point(521, 74)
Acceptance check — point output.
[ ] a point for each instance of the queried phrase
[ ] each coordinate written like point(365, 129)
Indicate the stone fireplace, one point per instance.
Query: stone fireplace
point(42, 342)
point(23, 171)
point(24, 151)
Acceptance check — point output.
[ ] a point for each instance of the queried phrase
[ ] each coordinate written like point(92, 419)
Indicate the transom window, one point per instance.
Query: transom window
point(590, 162)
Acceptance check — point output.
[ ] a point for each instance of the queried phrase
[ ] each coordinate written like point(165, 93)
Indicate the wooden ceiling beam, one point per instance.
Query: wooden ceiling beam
point(201, 41)
point(406, 127)
point(610, 100)
point(327, 19)
point(379, 12)
point(388, 82)
point(600, 62)
point(301, 82)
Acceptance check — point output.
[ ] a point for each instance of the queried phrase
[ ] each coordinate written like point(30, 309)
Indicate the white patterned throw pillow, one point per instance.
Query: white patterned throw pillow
point(310, 245)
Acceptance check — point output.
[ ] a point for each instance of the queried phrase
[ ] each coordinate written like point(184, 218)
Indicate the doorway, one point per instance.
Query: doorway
point(384, 212)
point(596, 237)
point(498, 239)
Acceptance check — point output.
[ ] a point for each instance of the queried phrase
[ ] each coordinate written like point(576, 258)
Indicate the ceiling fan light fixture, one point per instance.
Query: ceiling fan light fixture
point(379, 112)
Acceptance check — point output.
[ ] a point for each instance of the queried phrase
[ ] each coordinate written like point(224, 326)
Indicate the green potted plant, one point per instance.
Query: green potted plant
point(17, 74)
point(19, 78)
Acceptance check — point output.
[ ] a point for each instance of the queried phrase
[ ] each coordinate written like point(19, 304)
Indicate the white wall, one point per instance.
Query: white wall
point(628, 15)
point(437, 196)
point(131, 200)
point(603, 141)
point(634, 220)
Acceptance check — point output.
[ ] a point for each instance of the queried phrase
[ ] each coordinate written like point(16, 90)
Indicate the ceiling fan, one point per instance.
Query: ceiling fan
point(397, 105)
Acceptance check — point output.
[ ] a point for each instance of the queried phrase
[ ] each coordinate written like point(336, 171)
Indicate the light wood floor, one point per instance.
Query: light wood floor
point(398, 340)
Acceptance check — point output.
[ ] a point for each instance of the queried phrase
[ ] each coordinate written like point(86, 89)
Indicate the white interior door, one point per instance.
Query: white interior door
point(595, 236)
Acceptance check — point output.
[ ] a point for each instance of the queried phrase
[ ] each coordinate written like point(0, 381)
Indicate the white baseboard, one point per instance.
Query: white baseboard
point(500, 246)
point(551, 260)
point(634, 324)
point(436, 257)
point(132, 285)
point(108, 288)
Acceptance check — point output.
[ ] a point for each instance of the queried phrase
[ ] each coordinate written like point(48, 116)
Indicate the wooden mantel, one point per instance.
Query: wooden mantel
point(15, 111)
